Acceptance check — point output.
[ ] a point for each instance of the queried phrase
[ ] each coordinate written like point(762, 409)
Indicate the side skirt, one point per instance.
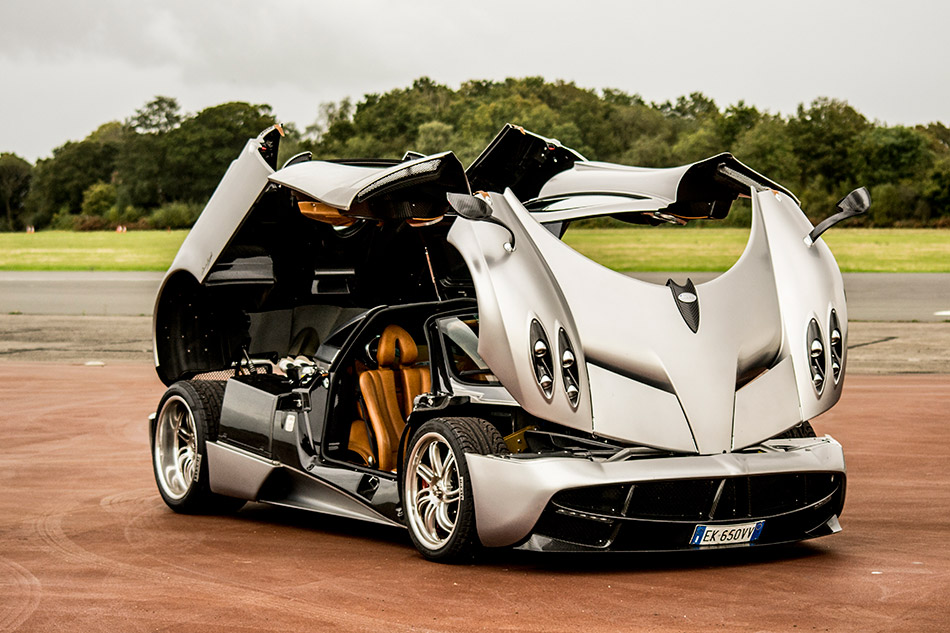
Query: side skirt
point(237, 473)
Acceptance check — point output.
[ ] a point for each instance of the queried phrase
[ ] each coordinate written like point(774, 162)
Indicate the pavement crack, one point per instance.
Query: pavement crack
point(21, 350)
point(880, 340)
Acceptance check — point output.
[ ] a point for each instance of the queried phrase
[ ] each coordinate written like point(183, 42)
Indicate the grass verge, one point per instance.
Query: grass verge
point(647, 249)
point(95, 250)
point(715, 249)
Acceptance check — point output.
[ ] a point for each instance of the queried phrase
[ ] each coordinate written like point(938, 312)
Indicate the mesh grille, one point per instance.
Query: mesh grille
point(413, 171)
point(575, 529)
point(224, 374)
point(717, 499)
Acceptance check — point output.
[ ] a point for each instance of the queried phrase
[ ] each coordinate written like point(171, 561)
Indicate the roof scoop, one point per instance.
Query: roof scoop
point(687, 301)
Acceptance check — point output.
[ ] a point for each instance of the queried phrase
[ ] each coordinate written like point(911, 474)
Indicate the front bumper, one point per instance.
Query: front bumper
point(653, 503)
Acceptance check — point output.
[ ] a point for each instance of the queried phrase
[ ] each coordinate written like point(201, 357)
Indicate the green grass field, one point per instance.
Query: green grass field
point(648, 249)
point(96, 250)
point(715, 249)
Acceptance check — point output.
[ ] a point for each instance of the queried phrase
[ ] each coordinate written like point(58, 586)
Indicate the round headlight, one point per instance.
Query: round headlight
point(567, 358)
point(540, 348)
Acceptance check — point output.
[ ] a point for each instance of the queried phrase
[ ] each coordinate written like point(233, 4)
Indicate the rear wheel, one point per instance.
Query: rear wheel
point(187, 418)
point(437, 492)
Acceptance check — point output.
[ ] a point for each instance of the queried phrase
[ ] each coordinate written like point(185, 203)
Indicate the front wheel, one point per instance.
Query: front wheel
point(437, 493)
point(187, 417)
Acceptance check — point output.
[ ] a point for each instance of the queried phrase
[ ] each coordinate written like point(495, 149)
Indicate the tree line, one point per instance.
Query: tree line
point(158, 167)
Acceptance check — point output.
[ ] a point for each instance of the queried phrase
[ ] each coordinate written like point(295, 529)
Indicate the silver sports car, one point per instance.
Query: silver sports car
point(411, 343)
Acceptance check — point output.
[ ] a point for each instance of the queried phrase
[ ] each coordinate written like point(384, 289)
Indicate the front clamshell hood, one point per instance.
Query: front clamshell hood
point(648, 377)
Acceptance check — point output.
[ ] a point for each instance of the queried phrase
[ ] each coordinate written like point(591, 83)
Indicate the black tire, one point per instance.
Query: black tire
point(440, 510)
point(186, 418)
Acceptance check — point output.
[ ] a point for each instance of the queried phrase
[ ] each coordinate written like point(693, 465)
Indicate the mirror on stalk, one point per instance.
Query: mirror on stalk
point(855, 203)
point(477, 209)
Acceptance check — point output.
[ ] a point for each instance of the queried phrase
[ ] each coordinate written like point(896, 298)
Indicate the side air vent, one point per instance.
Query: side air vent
point(837, 346)
point(541, 358)
point(569, 369)
point(816, 355)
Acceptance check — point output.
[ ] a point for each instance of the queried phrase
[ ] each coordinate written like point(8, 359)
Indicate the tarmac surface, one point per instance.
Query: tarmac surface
point(78, 293)
point(873, 347)
point(86, 543)
point(871, 296)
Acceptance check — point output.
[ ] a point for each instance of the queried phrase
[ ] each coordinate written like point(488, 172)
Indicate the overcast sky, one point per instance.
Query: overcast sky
point(66, 67)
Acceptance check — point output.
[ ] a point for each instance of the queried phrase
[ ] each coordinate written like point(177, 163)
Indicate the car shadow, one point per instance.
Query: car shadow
point(599, 562)
point(546, 562)
point(317, 522)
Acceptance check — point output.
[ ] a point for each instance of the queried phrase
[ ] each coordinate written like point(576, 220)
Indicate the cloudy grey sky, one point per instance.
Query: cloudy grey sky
point(66, 67)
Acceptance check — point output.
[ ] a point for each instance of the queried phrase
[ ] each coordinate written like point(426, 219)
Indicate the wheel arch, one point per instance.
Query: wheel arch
point(439, 407)
point(192, 333)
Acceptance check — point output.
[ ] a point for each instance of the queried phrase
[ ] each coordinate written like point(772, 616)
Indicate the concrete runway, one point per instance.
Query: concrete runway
point(86, 543)
point(78, 293)
point(871, 296)
point(873, 347)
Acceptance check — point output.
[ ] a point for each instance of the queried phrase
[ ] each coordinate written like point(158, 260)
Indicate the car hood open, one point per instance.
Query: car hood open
point(353, 187)
point(649, 372)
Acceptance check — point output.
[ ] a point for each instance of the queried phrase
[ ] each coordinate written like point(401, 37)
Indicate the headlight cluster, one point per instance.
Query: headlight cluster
point(816, 351)
point(569, 368)
point(541, 355)
point(543, 359)
point(837, 347)
point(816, 355)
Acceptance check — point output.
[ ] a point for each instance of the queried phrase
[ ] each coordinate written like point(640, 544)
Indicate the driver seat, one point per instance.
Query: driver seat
point(387, 416)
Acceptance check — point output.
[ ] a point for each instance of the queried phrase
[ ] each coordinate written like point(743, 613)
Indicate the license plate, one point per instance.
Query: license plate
point(709, 535)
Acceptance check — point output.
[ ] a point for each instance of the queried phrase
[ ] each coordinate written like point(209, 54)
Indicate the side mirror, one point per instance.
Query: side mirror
point(477, 209)
point(855, 203)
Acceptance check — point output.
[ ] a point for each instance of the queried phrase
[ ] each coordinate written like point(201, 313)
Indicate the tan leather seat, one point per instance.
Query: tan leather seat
point(386, 410)
point(360, 443)
point(415, 380)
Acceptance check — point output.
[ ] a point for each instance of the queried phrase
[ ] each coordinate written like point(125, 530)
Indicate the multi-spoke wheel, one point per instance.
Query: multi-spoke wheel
point(434, 492)
point(437, 494)
point(176, 448)
point(187, 416)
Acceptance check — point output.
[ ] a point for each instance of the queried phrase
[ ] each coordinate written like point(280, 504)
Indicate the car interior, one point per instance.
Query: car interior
point(385, 397)
point(378, 365)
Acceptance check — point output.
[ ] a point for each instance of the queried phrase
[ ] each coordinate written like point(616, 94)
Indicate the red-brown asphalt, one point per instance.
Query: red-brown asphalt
point(86, 544)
